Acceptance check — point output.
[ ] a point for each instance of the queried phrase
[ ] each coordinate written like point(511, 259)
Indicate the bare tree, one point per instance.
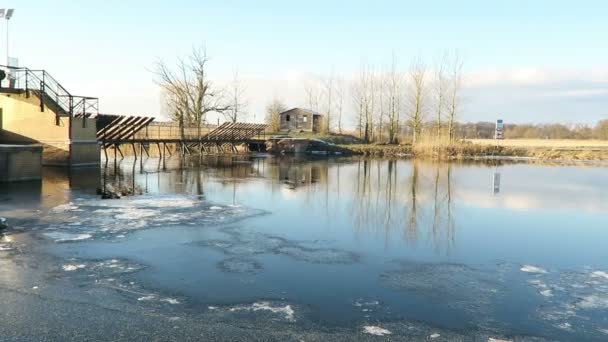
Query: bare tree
point(313, 94)
point(440, 89)
point(416, 97)
point(328, 92)
point(361, 92)
point(190, 93)
point(455, 83)
point(273, 111)
point(340, 91)
point(238, 103)
point(395, 83)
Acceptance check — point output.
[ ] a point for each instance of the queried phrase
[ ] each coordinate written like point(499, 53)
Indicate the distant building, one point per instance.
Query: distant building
point(299, 119)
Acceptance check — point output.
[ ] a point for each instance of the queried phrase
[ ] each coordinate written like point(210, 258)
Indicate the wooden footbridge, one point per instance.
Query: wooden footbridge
point(141, 134)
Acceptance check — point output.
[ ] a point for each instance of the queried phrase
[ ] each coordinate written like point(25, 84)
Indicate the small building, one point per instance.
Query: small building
point(299, 119)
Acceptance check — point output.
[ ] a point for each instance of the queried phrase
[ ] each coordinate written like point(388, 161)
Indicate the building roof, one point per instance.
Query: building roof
point(301, 109)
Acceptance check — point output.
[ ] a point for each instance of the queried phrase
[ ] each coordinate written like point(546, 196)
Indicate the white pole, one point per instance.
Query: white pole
point(7, 42)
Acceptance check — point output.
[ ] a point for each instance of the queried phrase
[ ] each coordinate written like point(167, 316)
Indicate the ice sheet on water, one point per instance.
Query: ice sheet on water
point(241, 242)
point(375, 330)
point(577, 301)
point(64, 208)
point(67, 237)
point(285, 310)
point(532, 269)
point(460, 286)
point(240, 265)
point(73, 267)
point(109, 218)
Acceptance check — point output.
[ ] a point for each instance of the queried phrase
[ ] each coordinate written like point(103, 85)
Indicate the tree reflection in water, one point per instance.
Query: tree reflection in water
point(409, 199)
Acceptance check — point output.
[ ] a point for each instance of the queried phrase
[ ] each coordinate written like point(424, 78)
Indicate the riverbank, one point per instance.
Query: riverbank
point(573, 151)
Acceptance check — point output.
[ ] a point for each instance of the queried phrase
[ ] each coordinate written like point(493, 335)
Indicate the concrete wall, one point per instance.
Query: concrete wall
point(23, 122)
point(20, 163)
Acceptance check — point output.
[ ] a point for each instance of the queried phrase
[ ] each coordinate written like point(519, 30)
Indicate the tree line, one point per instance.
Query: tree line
point(388, 104)
point(485, 130)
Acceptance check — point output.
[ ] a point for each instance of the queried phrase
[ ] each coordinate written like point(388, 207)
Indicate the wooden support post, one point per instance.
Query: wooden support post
point(134, 150)
point(119, 151)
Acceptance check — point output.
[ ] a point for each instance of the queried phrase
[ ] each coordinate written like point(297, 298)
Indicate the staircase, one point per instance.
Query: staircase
point(50, 92)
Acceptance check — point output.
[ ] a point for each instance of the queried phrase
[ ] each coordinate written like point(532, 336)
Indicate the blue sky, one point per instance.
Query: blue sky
point(528, 61)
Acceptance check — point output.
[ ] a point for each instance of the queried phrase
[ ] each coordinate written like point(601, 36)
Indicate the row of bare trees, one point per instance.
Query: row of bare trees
point(385, 103)
point(388, 101)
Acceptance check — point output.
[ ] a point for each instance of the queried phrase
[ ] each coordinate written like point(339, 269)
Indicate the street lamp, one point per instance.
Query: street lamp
point(8, 14)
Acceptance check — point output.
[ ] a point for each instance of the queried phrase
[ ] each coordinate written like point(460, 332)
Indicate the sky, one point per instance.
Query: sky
point(525, 61)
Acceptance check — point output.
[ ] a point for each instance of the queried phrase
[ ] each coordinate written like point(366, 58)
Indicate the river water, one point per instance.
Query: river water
point(266, 248)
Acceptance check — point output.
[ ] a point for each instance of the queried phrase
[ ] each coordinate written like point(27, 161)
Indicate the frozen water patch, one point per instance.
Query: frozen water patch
point(244, 243)
point(462, 287)
point(240, 265)
point(146, 298)
point(171, 301)
point(115, 217)
point(579, 300)
point(532, 269)
point(62, 208)
point(542, 288)
point(435, 335)
point(376, 330)
point(594, 301)
point(67, 237)
point(319, 255)
point(286, 310)
point(599, 274)
point(73, 267)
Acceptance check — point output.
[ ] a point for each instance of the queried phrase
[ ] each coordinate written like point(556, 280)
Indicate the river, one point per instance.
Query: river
point(267, 248)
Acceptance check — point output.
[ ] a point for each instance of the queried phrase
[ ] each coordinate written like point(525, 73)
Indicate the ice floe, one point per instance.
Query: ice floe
point(532, 269)
point(286, 310)
point(146, 298)
point(73, 267)
point(376, 330)
point(172, 301)
point(240, 265)
point(66, 237)
point(116, 217)
point(243, 243)
point(599, 274)
point(64, 207)
point(435, 335)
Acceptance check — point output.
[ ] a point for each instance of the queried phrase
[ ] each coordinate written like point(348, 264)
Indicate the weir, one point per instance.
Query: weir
point(36, 109)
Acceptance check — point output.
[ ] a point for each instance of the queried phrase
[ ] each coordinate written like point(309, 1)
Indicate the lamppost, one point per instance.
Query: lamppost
point(8, 14)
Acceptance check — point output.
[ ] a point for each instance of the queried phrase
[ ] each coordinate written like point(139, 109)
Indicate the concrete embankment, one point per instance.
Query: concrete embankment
point(20, 163)
point(304, 145)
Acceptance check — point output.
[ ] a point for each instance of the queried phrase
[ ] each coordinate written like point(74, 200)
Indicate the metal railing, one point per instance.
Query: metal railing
point(41, 81)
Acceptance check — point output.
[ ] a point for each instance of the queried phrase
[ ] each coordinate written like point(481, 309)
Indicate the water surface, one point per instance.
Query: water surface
point(341, 246)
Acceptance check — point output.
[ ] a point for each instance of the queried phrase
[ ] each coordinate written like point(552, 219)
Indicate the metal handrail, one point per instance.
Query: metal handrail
point(40, 80)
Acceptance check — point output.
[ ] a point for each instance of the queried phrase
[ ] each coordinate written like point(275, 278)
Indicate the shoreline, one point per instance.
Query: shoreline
point(469, 151)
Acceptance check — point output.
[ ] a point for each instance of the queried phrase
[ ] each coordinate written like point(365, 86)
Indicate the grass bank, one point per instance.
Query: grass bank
point(431, 147)
point(459, 150)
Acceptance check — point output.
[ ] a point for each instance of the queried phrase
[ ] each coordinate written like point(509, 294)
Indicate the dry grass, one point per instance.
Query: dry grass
point(551, 143)
point(430, 147)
